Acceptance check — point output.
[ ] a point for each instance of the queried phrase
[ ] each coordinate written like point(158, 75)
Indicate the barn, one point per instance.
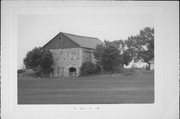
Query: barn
point(69, 52)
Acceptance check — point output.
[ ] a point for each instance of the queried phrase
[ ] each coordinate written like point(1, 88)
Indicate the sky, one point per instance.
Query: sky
point(35, 30)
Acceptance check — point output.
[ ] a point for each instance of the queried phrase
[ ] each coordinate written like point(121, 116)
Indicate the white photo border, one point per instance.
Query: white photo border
point(156, 110)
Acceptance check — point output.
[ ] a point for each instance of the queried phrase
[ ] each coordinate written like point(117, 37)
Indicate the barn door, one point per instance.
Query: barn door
point(72, 72)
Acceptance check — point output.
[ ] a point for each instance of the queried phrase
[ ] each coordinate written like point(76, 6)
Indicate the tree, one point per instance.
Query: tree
point(40, 61)
point(127, 56)
point(108, 55)
point(98, 52)
point(146, 54)
point(141, 46)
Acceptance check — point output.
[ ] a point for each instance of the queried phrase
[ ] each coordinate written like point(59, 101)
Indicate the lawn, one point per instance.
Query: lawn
point(137, 87)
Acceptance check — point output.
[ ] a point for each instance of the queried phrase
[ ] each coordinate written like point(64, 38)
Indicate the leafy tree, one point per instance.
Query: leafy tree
point(127, 56)
point(98, 52)
point(40, 61)
point(120, 45)
point(141, 46)
point(108, 55)
point(147, 53)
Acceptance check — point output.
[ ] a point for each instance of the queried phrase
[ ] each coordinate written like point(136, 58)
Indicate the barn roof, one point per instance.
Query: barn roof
point(83, 41)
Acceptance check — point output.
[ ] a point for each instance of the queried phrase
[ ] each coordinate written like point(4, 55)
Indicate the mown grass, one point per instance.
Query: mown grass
point(138, 87)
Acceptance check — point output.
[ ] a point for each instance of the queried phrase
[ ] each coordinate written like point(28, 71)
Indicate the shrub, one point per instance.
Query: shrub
point(89, 68)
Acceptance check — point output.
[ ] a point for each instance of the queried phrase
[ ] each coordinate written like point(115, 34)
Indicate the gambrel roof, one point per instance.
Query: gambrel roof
point(66, 40)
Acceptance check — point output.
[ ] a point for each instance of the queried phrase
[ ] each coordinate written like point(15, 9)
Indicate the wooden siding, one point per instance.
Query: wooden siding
point(67, 43)
point(60, 41)
point(55, 43)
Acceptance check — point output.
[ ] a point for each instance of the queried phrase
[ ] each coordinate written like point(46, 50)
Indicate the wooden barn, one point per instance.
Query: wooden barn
point(69, 52)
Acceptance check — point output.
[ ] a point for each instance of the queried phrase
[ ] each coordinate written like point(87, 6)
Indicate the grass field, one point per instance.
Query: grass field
point(137, 87)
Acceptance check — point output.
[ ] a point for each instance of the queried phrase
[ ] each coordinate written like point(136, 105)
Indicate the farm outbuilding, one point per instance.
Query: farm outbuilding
point(69, 52)
point(151, 64)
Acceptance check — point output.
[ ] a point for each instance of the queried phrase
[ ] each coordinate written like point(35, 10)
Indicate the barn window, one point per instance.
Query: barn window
point(72, 72)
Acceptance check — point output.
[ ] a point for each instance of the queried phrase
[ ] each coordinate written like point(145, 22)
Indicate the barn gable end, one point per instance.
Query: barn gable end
point(69, 52)
point(60, 41)
point(55, 43)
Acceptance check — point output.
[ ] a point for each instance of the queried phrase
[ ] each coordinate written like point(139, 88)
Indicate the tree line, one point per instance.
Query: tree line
point(115, 54)
point(110, 56)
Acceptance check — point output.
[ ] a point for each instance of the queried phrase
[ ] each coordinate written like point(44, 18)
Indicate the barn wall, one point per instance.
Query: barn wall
point(66, 58)
point(71, 57)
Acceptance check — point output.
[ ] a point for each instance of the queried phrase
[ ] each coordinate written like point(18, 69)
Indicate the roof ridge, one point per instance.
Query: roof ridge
point(78, 35)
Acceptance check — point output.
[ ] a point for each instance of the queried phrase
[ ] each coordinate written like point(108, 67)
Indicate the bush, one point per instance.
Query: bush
point(89, 68)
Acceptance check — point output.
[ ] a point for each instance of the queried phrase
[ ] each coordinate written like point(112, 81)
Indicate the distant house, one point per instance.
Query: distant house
point(69, 52)
point(151, 64)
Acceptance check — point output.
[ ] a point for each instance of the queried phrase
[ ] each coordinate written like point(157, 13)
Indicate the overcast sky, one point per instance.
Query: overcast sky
point(108, 24)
